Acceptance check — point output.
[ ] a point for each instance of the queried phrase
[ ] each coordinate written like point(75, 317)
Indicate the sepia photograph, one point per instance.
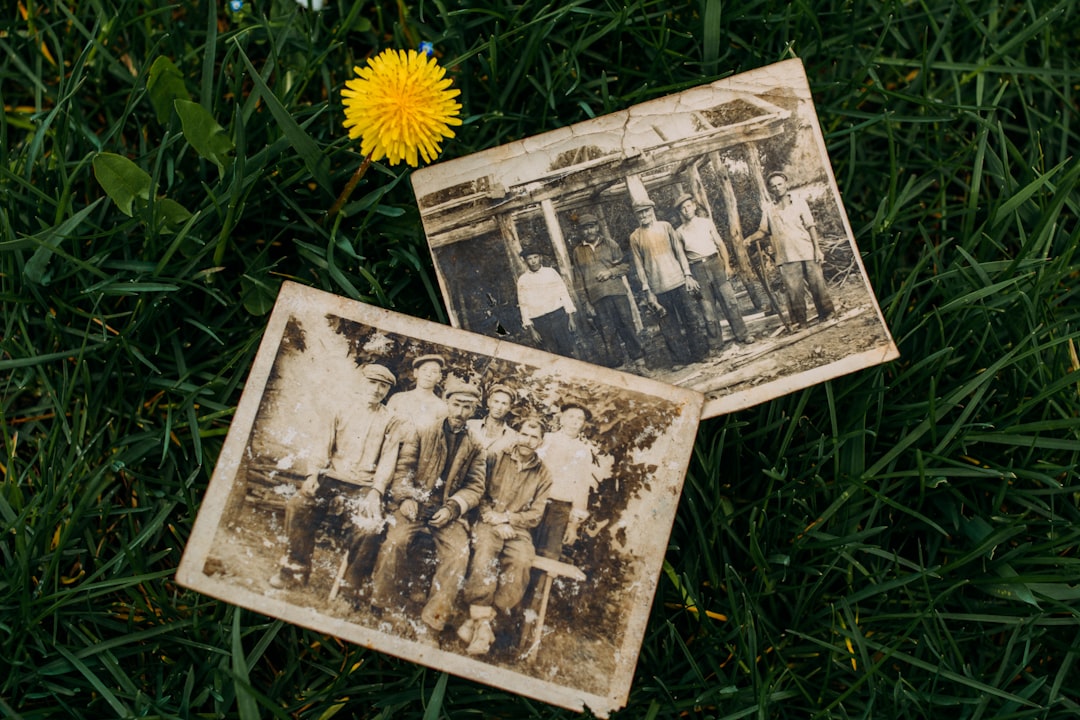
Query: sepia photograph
point(699, 239)
point(480, 507)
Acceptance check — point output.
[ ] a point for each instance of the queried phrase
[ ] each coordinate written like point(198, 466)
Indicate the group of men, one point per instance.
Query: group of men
point(685, 274)
point(480, 489)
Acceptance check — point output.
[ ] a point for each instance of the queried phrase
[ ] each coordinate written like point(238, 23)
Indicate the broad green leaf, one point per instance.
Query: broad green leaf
point(258, 295)
point(173, 213)
point(203, 132)
point(121, 179)
point(164, 84)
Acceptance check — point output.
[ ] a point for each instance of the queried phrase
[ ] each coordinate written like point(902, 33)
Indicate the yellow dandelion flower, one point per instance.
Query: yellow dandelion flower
point(400, 106)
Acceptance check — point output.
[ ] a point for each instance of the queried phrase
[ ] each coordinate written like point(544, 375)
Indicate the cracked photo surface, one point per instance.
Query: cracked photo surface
point(699, 239)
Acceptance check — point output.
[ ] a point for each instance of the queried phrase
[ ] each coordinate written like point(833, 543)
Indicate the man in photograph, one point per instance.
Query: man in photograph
point(421, 406)
point(493, 431)
point(665, 277)
point(547, 310)
point(710, 265)
point(499, 572)
point(435, 498)
point(599, 268)
point(790, 225)
point(363, 454)
point(575, 473)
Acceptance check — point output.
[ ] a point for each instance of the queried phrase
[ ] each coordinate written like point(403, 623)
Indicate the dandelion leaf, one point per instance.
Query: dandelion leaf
point(121, 179)
point(205, 135)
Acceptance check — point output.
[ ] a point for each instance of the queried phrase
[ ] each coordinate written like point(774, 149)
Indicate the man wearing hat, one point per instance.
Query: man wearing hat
point(421, 405)
point(576, 470)
point(710, 265)
point(599, 268)
point(517, 491)
point(437, 496)
point(361, 457)
point(547, 310)
point(791, 226)
point(665, 277)
point(493, 431)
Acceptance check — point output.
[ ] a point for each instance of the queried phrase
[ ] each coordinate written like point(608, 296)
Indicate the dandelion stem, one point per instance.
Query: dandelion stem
point(344, 196)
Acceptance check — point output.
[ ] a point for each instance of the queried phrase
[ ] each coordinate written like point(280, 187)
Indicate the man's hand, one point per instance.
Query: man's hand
point(533, 333)
point(590, 311)
point(443, 516)
point(692, 285)
point(571, 323)
point(409, 508)
point(570, 536)
point(652, 302)
point(494, 518)
point(370, 506)
point(310, 485)
point(603, 275)
point(505, 531)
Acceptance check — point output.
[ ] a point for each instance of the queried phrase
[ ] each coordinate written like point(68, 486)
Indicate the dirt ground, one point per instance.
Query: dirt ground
point(247, 551)
point(779, 352)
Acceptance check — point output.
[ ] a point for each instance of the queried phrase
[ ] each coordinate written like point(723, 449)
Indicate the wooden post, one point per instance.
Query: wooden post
point(738, 242)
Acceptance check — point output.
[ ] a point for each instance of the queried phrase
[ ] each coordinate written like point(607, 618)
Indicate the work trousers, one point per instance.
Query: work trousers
point(681, 316)
point(794, 275)
point(554, 329)
point(395, 567)
point(305, 513)
point(613, 316)
point(500, 569)
point(717, 293)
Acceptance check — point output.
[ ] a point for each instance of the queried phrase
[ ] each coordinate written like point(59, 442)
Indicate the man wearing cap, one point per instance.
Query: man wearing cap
point(791, 227)
point(437, 496)
point(547, 310)
point(517, 491)
point(710, 265)
point(576, 471)
point(493, 431)
point(599, 268)
point(362, 455)
point(665, 277)
point(421, 405)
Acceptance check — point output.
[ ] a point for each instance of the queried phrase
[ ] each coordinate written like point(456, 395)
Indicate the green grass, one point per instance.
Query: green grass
point(902, 542)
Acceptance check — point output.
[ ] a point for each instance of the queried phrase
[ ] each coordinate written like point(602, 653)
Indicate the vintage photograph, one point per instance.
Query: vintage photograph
point(480, 507)
point(698, 239)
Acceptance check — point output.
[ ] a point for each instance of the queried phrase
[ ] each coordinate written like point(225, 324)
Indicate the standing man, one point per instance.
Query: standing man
point(547, 310)
point(494, 432)
point(448, 482)
point(788, 222)
point(503, 553)
point(575, 472)
point(666, 279)
point(361, 457)
point(599, 268)
point(710, 265)
point(421, 406)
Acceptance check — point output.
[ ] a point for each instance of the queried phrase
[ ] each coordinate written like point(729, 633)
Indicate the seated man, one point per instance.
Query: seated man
point(447, 483)
point(362, 455)
point(517, 490)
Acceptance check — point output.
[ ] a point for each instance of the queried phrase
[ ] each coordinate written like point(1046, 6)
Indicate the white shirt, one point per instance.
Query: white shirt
point(542, 292)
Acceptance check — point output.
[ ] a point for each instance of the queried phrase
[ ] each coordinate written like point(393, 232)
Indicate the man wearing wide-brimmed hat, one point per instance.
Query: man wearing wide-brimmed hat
point(547, 310)
point(599, 268)
point(438, 498)
point(665, 277)
point(362, 456)
point(711, 268)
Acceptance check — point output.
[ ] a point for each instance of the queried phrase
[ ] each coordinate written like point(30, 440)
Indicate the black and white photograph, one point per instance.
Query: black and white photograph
point(699, 239)
point(484, 508)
